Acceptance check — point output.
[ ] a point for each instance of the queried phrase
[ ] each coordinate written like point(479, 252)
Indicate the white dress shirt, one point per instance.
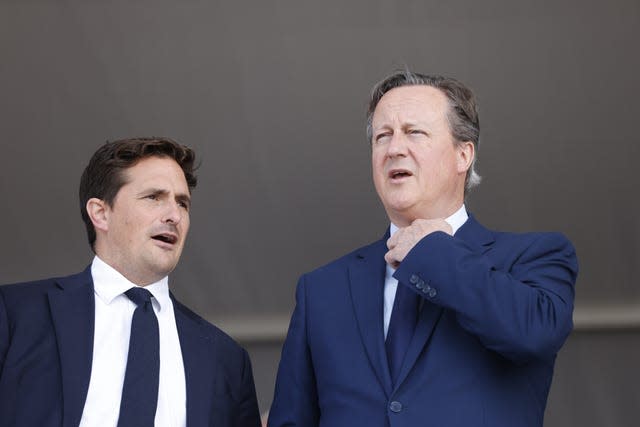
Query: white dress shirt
point(390, 284)
point(113, 314)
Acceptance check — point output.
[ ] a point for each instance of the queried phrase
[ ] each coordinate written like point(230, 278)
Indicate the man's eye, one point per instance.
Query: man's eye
point(417, 132)
point(381, 137)
point(152, 197)
point(184, 205)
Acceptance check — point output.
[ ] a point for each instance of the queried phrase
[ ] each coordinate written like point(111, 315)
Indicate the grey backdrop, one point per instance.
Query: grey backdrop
point(272, 95)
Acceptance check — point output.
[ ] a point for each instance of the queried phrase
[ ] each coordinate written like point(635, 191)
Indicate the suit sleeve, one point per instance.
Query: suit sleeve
point(522, 310)
point(295, 401)
point(248, 413)
point(4, 332)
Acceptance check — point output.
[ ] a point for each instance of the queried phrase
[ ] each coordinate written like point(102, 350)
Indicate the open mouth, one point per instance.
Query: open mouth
point(397, 174)
point(166, 238)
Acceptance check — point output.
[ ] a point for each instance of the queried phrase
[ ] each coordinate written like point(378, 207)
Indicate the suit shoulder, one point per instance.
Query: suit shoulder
point(532, 247)
point(209, 330)
point(28, 299)
point(28, 289)
point(535, 238)
point(340, 264)
point(334, 276)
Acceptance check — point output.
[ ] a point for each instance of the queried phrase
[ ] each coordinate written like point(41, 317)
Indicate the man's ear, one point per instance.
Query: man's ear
point(98, 212)
point(466, 153)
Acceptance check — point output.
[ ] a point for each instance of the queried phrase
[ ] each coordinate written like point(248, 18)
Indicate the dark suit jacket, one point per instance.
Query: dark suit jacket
point(46, 345)
point(497, 308)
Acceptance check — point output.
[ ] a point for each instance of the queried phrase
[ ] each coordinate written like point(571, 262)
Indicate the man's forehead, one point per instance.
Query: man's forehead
point(153, 164)
point(155, 169)
point(415, 95)
point(419, 103)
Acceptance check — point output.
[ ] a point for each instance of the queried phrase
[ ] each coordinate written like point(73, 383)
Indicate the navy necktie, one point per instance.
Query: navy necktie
point(140, 390)
point(404, 317)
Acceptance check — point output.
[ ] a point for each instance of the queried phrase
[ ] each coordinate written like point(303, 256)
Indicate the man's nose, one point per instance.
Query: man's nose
point(173, 213)
point(397, 145)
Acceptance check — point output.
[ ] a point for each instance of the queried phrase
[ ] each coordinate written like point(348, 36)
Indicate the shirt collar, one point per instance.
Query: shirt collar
point(456, 220)
point(108, 283)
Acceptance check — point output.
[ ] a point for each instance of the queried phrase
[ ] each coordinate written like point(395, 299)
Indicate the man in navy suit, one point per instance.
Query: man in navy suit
point(111, 346)
point(442, 322)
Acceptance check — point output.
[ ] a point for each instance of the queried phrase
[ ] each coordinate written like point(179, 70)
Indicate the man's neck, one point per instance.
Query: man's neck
point(455, 220)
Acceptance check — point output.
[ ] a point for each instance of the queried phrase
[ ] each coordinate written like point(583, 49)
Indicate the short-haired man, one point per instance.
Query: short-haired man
point(441, 322)
point(111, 346)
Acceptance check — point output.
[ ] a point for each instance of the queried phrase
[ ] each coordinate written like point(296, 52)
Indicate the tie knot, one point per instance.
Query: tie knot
point(140, 296)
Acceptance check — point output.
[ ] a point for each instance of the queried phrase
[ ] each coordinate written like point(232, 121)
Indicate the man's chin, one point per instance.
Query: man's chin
point(400, 215)
point(162, 267)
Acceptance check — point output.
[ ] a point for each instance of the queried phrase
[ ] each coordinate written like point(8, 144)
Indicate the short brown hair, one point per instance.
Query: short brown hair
point(103, 177)
point(464, 122)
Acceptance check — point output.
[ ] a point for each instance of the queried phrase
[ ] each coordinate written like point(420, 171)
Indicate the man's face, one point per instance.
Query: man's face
point(418, 170)
point(147, 224)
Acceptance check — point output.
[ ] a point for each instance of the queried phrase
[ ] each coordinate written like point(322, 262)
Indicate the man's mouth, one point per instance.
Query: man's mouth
point(166, 238)
point(398, 174)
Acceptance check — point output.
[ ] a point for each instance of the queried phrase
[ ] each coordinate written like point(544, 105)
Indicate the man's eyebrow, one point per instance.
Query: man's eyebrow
point(160, 191)
point(147, 191)
point(414, 124)
point(185, 198)
point(383, 126)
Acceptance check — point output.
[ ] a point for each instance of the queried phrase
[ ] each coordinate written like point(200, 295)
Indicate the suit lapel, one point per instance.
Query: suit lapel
point(474, 234)
point(366, 275)
point(427, 321)
point(197, 365)
point(73, 313)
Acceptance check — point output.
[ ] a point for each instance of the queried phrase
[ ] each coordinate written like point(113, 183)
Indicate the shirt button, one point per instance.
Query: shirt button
point(414, 279)
point(395, 406)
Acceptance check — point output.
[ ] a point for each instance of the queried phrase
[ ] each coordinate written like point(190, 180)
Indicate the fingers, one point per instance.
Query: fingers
point(404, 239)
point(428, 226)
point(396, 245)
point(390, 259)
point(393, 240)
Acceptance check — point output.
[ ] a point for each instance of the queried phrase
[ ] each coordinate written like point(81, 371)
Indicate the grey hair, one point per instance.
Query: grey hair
point(462, 117)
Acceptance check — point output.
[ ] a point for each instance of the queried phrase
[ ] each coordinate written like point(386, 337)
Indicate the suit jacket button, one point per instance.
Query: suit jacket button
point(432, 293)
point(395, 406)
point(414, 279)
point(420, 285)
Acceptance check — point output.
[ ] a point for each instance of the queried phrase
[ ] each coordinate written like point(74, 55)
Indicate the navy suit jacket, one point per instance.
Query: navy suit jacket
point(496, 309)
point(46, 346)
